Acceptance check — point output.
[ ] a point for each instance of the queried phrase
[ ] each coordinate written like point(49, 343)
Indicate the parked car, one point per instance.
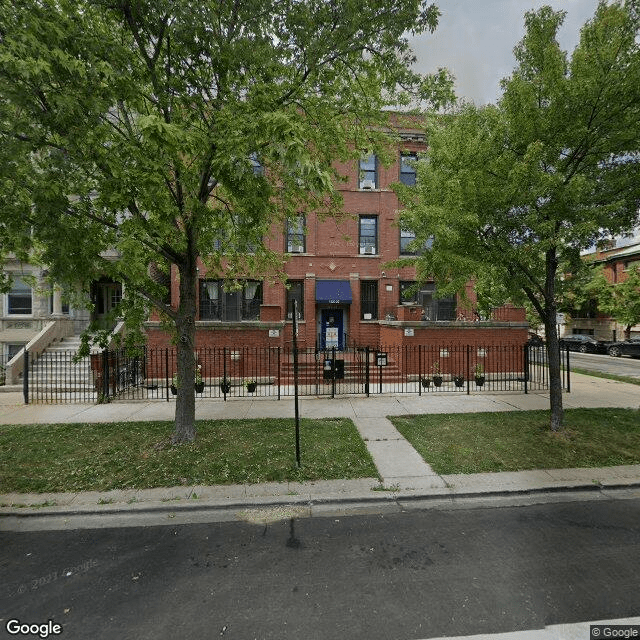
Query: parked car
point(629, 347)
point(583, 344)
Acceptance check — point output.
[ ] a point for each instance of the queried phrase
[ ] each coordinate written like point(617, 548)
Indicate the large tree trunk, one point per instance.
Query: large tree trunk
point(553, 346)
point(186, 330)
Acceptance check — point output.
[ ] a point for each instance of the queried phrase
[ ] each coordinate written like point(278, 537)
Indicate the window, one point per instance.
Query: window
point(296, 240)
point(19, 299)
point(295, 291)
point(408, 168)
point(368, 240)
point(258, 169)
point(368, 178)
point(432, 308)
point(238, 238)
point(406, 238)
point(369, 299)
point(218, 303)
point(13, 350)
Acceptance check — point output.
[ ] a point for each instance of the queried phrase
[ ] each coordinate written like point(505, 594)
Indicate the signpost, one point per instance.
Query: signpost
point(295, 379)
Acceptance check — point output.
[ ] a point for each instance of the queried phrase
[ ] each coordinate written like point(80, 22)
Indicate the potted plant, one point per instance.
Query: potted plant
point(437, 375)
point(251, 385)
point(425, 382)
point(458, 379)
point(225, 385)
point(478, 372)
point(175, 383)
point(199, 382)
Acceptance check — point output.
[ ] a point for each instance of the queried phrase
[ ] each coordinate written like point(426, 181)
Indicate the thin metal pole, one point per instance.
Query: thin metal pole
point(333, 372)
point(367, 377)
point(295, 379)
point(25, 377)
point(224, 374)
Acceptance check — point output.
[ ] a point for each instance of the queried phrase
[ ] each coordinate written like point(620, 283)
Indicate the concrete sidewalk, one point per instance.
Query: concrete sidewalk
point(404, 476)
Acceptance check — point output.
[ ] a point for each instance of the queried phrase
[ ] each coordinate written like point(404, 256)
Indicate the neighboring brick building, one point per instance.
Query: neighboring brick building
point(616, 262)
point(336, 270)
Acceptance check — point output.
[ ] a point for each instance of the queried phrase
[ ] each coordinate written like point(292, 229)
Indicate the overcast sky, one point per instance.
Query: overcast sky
point(475, 40)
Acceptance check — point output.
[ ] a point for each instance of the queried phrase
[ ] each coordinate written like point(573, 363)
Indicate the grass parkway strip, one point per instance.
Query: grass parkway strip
point(521, 440)
point(139, 455)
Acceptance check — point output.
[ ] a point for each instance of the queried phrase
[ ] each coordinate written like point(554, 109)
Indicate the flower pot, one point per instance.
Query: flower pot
point(425, 382)
point(174, 389)
point(252, 386)
point(437, 381)
point(458, 381)
point(225, 387)
point(199, 387)
point(479, 380)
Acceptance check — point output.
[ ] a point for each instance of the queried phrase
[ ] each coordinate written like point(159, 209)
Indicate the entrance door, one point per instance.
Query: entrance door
point(332, 328)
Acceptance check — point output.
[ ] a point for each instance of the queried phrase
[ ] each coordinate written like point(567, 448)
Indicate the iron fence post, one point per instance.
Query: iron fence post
point(224, 373)
point(279, 373)
point(166, 371)
point(419, 369)
point(468, 369)
point(25, 377)
point(568, 372)
point(333, 372)
point(526, 368)
point(366, 370)
point(105, 374)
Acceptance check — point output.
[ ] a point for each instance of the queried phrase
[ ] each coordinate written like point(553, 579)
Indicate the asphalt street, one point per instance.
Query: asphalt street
point(410, 575)
point(623, 366)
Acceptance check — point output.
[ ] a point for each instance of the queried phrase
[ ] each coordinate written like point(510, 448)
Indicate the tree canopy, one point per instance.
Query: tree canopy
point(172, 130)
point(512, 193)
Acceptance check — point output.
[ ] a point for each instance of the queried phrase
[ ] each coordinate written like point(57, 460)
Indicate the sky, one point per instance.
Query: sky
point(475, 40)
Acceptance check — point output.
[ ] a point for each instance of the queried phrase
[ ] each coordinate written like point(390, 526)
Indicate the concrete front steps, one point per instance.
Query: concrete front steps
point(55, 369)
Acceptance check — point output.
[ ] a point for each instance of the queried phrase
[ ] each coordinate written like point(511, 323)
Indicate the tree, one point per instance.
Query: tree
point(619, 300)
point(137, 126)
point(511, 193)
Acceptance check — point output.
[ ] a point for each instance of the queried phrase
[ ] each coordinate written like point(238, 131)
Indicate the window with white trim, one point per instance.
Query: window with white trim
point(296, 239)
point(368, 235)
point(368, 172)
point(408, 168)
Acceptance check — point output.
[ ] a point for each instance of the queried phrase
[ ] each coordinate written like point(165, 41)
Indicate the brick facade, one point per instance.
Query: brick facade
point(333, 252)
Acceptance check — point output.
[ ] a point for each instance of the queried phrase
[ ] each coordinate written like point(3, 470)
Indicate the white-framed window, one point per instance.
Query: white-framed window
point(368, 235)
point(19, 300)
point(368, 172)
point(296, 239)
point(408, 168)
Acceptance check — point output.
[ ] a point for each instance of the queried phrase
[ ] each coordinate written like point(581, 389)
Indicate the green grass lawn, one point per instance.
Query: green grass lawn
point(518, 440)
point(98, 457)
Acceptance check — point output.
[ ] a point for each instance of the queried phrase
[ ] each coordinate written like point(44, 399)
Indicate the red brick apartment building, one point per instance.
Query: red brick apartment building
point(337, 271)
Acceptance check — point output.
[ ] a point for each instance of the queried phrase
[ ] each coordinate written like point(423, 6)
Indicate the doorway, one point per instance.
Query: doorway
point(332, 329)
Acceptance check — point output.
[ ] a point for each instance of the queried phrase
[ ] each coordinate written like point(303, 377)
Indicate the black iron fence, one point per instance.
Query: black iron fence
point(151, 373)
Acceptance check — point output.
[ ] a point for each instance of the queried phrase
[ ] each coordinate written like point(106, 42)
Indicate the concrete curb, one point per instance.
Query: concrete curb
point(447, 495)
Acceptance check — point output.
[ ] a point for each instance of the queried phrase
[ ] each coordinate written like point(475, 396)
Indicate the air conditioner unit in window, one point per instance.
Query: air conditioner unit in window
point(371, 250)
point(296, 248)
point(367, 184)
